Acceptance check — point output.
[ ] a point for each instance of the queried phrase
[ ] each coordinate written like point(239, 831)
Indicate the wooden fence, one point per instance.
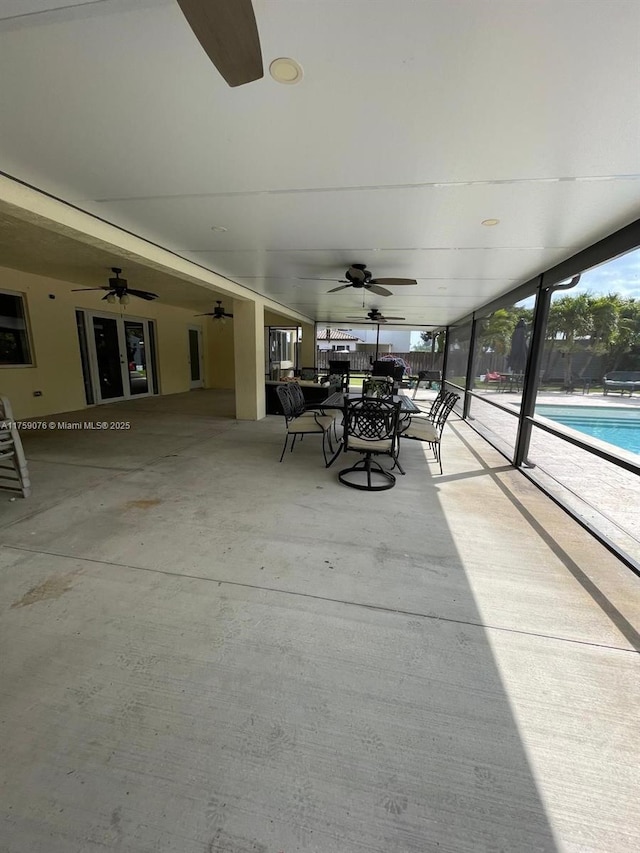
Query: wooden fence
point(360, 361)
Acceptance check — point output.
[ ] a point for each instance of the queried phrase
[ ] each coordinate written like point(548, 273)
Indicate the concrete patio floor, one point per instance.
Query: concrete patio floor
point(205, 651)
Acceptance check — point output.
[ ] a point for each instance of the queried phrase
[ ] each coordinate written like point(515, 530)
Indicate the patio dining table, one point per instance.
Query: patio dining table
point(339, 400)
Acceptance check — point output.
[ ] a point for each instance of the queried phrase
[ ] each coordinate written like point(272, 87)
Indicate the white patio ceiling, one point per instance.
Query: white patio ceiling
point(414, 122)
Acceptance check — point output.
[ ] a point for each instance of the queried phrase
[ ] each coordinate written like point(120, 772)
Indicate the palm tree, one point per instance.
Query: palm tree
point(573, 321)
point(605, 313)
point(624, 350)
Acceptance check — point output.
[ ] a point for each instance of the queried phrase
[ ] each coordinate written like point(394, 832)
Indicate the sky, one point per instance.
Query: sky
point(621, 276)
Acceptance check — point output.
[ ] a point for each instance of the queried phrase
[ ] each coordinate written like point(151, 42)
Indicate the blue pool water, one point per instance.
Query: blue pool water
point(615, 425)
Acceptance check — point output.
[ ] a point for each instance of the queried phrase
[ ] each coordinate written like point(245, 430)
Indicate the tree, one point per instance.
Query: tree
point(570, 317)
point(495, 331)
point(624, 351)
point(431, 342)
point(605, 314)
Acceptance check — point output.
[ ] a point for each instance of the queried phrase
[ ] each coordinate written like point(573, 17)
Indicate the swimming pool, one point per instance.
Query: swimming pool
point(613, 424)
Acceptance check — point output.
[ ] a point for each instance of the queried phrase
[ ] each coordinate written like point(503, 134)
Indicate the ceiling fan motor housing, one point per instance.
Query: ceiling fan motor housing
point(117, 282)
point(358, 274)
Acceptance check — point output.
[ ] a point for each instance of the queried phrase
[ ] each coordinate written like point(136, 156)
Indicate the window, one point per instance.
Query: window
point(14, 340)
point(340, 348)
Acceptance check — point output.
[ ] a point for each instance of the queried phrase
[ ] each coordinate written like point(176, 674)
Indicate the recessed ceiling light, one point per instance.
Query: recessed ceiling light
point(219, 228)
point(489, 222)
point(285, 70)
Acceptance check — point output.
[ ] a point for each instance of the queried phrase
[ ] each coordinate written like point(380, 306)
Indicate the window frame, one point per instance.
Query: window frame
point(27, 329)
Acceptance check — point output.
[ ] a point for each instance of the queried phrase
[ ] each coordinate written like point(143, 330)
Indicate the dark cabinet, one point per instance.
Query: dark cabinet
point(313, 394)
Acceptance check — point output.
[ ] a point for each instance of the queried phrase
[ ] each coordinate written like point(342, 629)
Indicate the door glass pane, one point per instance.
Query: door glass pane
point(108, 356)
point(194, 354)
point(134, 334)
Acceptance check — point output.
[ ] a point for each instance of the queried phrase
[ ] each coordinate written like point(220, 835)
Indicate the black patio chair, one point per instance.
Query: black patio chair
point(377, 386)
point(302, 409)
point(371, 429)
point(300, 422)
point(429, 429)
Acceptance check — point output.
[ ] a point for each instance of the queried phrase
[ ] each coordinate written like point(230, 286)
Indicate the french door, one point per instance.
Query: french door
point(119, 356)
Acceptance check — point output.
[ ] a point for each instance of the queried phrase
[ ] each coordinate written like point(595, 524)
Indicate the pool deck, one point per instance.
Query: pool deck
point(603, 495)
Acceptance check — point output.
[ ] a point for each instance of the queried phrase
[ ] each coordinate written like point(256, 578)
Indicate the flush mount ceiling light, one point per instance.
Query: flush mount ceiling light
point(490, 222)
point(285, 70)
point(219, 228)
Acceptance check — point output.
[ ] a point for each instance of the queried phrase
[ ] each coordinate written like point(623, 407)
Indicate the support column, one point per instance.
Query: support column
point(248, 321)
point(308, 346)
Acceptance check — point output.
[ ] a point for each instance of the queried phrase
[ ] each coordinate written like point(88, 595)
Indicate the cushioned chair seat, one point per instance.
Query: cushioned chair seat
point(309, 423)
point(422, 429)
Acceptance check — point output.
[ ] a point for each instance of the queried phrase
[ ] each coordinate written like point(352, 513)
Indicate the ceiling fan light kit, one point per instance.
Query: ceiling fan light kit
point(218, 314)
point(119, 290)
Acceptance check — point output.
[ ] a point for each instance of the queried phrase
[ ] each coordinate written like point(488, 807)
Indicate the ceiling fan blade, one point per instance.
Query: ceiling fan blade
point(142, 294)
point(393, 282)
point(81, 289)
point(342, 280)
point(395, 318)
point(228, 315)
point(204, 315)
point(381, 291)
point(342, 287)
point(227, 31)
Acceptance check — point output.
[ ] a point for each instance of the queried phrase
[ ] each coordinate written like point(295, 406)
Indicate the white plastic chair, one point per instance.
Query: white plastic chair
point(14, 474)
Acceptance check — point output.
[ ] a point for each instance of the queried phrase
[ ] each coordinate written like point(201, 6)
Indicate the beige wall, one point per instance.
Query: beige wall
point(54, 342)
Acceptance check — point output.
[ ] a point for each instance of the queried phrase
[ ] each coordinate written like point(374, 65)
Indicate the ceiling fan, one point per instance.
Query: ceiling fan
point(218, 312)
point(119, 290)
point(227, 31)
point(374, 316)
point(359, 276)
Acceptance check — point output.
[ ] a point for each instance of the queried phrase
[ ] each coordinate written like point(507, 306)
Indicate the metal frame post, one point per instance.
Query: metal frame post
point(532, 369)
point(471, 360)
